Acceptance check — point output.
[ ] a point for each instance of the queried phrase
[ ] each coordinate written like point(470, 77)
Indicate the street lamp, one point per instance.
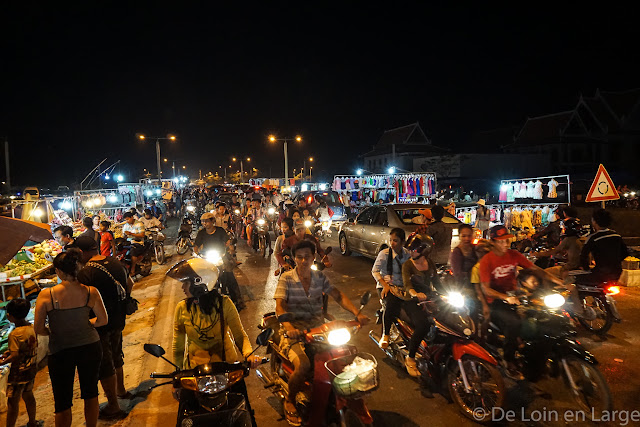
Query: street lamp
point(248, 159)
point(298, 138)
point(169, 137)
point(173, 166)
point(304, 165)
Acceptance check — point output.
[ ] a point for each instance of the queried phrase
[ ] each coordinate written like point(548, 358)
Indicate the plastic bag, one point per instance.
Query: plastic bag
point(364, 370)
point(4, 379)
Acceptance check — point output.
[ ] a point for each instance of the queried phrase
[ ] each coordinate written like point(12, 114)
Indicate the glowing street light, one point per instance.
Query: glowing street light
point(169, 137)
point(298, 138)
point(241, 167)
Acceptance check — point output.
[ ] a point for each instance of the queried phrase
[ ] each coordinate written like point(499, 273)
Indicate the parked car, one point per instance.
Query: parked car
point(333, 202)
point(369, 232)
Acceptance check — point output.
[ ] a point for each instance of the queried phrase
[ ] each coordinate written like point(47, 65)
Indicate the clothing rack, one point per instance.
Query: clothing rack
point(559, 179)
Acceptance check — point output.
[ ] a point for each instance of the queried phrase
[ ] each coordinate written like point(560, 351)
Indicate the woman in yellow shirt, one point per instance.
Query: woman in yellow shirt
point(206, 326)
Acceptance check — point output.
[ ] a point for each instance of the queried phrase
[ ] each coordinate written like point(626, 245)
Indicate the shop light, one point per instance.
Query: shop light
point(304, 187)
point(359, 172)
point(106, 176)
point(149, 193)
point(158, 191)
point(96, 201)
point(176, 179)
point(120, 178)
point(38, 212)
point(113, 198)
point(323, 186)
point(392, 170)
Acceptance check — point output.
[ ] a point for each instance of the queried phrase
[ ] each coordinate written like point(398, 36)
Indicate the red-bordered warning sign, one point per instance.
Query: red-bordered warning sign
point(602, 188)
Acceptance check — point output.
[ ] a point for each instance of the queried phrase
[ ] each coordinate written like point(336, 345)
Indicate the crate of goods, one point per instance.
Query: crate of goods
point(354, 375)
point(631, 263)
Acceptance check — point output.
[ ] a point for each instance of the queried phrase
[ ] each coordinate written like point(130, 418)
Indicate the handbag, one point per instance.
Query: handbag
point(131, 304)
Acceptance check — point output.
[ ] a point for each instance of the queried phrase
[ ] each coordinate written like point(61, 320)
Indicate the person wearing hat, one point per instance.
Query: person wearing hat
point(498, 271)
point(424, 219)
point(419, 277)
point(483, 218)
point(207, 327)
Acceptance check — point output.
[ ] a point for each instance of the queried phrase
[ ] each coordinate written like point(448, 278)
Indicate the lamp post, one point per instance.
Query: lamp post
point(242, 167)
point(304, 166)
point(169, 137)
point(173, 166)
point(298, 138)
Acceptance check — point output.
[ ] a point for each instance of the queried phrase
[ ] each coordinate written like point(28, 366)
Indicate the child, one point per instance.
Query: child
point(107, 242)
point(22, 354)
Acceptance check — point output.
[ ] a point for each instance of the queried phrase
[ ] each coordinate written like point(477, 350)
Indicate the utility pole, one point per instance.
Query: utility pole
point(6, 161)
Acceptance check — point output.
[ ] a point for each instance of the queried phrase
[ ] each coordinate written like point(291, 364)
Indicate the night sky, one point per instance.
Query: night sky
point(77, 84)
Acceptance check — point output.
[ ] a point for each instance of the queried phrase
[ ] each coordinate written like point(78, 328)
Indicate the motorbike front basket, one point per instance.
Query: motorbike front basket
point(354, 375)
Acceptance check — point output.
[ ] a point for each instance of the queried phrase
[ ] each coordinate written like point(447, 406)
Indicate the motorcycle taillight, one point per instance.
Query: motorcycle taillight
point(612, 289)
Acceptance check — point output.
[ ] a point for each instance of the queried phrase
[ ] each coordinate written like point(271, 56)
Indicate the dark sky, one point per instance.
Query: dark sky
point(77, 84)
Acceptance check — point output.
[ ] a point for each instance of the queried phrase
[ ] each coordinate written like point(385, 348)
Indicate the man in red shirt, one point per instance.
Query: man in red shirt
point(498, 271)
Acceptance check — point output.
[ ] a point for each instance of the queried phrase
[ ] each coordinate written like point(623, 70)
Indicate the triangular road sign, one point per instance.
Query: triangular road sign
point(602, 188)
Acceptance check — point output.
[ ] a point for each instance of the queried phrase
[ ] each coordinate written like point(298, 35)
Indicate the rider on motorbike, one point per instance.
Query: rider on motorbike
point(286, 228)
point(419, 278)
point(569, 245)
point(253, 214)
point(203, 318)
point(387, 270)
point(606, 247)
point(221, 216)
point(300, 292)
point(134, 230)
point(150, 221)
point(300, 233)
point(498, 271)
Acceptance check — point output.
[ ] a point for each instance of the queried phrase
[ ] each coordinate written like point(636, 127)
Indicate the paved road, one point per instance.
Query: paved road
point(398, 401)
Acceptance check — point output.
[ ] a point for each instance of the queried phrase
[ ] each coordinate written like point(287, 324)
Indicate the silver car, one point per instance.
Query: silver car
point(369, 233)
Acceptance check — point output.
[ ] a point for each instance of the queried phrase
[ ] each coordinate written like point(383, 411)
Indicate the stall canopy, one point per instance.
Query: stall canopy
point(16, 232)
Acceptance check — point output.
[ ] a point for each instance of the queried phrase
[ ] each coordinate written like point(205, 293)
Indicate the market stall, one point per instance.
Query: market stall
point(361, 190)
point(26, 254)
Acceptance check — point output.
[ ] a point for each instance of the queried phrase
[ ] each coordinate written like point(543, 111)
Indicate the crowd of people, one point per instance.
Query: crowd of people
point(85, 313)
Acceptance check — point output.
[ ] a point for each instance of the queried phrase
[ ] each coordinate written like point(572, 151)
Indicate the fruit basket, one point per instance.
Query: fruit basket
point(354, 375)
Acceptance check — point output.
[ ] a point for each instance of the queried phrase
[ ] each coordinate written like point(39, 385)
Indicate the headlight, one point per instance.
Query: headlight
point(213, 257)
point(455, 299)
point(554, 300)
point(314, 267)
point(212, 384)
point(339, 336)
point(191, 208)
point(212, 211)
point(271, 211)
point(308, 223)
point(237, 211)
point(261, 221)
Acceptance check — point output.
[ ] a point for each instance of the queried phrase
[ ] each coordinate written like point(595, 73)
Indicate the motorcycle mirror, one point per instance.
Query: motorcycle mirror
point(328, 250)
point(264, 336)
point(364, 300)
point(154, 350)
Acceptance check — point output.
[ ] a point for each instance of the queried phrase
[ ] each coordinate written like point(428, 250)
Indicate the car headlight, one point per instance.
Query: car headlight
point(261, 221)
point(455, 299)
point(237, 211)
point(308, 223)
point(191, 208)
point(213, 257)
point(339, 336)
point(271, 211)
point(554, 300)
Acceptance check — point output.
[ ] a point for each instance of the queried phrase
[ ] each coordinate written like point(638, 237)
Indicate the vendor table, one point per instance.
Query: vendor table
point(19, 280)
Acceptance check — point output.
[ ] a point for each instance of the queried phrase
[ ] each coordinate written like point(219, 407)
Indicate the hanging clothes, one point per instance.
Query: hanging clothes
point(537, 190)
point(553, 184)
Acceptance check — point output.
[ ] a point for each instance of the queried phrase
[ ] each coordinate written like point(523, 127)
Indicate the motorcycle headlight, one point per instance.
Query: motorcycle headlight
point(237, 211)
point(261, 221)
point(339, 336)
point(213, 257)
point(554, 300)
point(191, 208)
point(271, 211)
point(308, 223)
point(314, 267)
point(455, 299)
point(212, 384)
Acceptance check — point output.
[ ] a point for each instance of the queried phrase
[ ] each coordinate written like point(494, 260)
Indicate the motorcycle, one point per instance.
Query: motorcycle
point(123, 254)
point(185, 241)
point(205, 396)
point(260, 235)
point(318, 265)
point(319, 229)
point(331, 396)
point(272, 218)
point(599, 301)
point(450, 360)
point(550, 350)
point(157, 238)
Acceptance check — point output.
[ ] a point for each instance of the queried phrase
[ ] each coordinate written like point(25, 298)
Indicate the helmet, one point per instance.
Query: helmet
point(201, 275)
point(572, 227)
point(420, 243)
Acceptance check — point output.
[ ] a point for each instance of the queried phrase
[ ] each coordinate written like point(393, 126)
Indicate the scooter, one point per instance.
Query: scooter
point(331, 396)
point(260, 235)
point(185, 241)
point(157, 237)
point(550, 350)
point(597, 300)
point(123, 254)
point(205, 394)
point(318, 265)
point(450, 360)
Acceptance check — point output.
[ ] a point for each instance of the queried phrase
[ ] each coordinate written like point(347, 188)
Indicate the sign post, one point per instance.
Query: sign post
point(602, 188)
